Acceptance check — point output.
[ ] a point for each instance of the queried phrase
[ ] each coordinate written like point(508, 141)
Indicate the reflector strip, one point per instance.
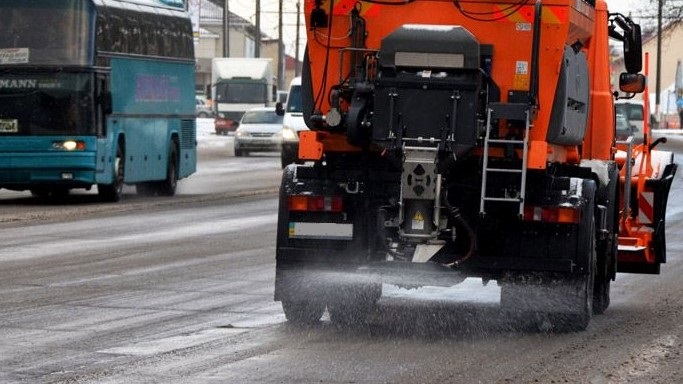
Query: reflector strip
point(645, 211)
point(323, 231)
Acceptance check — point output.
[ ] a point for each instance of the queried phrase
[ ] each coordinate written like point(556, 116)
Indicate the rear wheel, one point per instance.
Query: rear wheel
point(601, 286)
point(286, 159)
point(577, 315)
point(606, 254)
point(601, 295)
point(168, 186)
point(566, 300)
point(352, 305)
point(303, 312)
point(112, 192)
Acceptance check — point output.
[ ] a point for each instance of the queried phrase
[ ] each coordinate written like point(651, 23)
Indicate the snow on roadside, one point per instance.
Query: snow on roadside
point(206, 136)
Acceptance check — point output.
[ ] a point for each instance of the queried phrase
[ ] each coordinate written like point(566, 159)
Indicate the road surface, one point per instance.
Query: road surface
point(179, 290)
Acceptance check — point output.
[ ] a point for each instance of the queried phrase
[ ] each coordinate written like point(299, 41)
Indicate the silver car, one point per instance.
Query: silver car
point(258, 131)
point(202, 108)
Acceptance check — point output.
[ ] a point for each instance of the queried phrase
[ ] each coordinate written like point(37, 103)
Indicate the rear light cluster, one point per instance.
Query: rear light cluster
point(556, 214)
point(313, 203)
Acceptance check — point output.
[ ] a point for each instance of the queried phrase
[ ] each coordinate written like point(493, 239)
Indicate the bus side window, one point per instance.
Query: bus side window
point(103, 32)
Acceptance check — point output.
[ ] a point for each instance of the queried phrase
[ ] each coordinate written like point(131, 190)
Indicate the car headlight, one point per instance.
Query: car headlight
point(288, 134)
point(239, 133)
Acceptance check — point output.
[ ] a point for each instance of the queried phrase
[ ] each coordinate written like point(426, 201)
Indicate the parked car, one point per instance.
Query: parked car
point(202, 107)
point(293, 124)
point(257, 131)
point(224, 125)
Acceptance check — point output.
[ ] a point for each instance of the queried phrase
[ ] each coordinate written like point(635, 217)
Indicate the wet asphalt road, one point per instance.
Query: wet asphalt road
point(180, 291)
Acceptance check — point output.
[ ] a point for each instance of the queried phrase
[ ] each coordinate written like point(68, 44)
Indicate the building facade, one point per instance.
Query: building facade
point(241, 43)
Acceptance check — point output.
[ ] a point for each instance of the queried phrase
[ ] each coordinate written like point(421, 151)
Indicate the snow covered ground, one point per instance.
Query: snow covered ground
point(207, 138)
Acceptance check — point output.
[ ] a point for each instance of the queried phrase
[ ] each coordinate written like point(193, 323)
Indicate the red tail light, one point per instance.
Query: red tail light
point(562, 215)
point(311, 203)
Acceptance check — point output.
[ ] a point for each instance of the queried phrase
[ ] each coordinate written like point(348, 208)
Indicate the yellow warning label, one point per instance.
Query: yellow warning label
point(418, 222)
point(521, 82)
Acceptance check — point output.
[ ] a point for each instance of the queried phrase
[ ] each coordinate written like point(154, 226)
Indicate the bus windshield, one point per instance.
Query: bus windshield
point(62, 37)
point(46, 104)
point(237, 92)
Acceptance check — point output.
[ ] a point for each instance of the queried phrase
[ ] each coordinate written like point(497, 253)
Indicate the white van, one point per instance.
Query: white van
point(292, 124)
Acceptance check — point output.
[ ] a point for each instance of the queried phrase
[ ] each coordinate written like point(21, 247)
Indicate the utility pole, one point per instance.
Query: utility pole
point(226, 30)
point(659, 59)
point(280, 51)
point(257, 34)
point(297, 70)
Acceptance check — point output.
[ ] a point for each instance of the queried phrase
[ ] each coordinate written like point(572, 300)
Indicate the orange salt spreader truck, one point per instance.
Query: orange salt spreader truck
point(467, 138)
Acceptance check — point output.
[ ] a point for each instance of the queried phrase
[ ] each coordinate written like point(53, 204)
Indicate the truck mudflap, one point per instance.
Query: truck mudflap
point(642, 242)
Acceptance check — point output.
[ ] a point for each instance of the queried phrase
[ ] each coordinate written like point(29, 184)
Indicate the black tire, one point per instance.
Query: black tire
point(601, 292)
point(578, 314)
point(239, 152)
point(286, 159)
point(565, 300)
point(352, 307)
point(168, 186)
point(303, 312)
point(601, 288)
point(112, 192)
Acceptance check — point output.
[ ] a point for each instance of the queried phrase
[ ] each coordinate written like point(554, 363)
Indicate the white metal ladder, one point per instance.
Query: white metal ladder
point(508, 111)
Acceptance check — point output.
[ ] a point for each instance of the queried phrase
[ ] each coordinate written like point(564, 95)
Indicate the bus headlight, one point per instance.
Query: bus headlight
point(69, 145)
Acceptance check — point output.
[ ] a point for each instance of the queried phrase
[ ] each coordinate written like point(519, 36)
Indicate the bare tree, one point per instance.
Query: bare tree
point(646, 13)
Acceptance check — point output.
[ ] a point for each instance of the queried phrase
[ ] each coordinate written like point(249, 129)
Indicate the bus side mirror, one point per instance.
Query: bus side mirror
point(632, 82)
point(106, 102)
point(207, 91)
point(279, 109)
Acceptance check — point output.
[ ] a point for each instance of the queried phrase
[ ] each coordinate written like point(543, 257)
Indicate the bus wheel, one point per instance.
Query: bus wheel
point(168, 186)
point(112, 192)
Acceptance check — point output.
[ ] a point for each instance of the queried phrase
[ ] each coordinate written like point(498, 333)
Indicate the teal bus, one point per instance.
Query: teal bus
point(96, 93)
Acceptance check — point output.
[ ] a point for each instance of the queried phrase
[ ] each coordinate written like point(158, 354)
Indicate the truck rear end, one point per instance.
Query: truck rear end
point(457, 139)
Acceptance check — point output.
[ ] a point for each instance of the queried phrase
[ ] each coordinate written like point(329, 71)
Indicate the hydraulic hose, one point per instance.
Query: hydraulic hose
point(457, 217)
